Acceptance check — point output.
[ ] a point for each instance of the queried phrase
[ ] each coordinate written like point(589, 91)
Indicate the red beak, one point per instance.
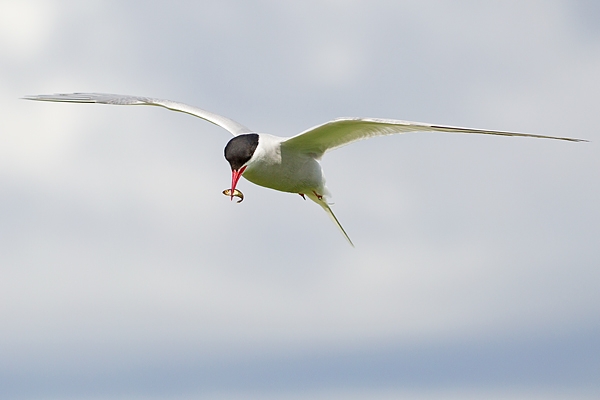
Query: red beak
point(235, 177)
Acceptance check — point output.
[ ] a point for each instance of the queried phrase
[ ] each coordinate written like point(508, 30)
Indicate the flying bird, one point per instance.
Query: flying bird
point(284, 164)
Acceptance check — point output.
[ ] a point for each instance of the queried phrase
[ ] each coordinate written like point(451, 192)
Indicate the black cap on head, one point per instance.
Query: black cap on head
point(240, 149)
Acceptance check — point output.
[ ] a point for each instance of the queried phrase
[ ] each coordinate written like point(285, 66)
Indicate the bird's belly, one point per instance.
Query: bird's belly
point(298, 175)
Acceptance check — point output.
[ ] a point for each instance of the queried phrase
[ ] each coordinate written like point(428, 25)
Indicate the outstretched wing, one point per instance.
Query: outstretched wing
point(103, 98)
point(339, 132)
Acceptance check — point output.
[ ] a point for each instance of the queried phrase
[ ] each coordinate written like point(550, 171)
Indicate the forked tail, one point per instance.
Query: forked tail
point(323, 203)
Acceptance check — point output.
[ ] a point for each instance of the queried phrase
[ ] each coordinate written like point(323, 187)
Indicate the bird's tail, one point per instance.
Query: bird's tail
point(321, 201)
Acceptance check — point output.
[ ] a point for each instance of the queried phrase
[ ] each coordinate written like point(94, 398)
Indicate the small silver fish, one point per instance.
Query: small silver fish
point(236, 193)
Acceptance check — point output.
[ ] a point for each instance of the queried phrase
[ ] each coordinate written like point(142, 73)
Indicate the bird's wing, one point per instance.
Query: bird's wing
point(103, 98)
point(339, 132)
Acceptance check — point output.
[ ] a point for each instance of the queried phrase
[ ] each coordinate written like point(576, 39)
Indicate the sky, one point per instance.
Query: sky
point(126, 274)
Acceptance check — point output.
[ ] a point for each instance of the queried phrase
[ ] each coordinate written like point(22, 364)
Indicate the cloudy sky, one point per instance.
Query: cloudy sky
point(126, 274)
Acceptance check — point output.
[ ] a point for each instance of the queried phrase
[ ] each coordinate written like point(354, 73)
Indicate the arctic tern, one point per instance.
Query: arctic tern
point(284, 164)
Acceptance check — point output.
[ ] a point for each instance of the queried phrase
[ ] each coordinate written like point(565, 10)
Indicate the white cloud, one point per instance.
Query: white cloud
point(117, 240)
point(25, 27)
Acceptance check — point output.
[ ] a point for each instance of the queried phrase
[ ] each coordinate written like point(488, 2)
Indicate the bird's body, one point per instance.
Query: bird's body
point(276, 167)
point(285, 164)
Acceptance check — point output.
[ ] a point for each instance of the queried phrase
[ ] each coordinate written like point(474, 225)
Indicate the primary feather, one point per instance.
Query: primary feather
point(103, 98)
point(343, 131)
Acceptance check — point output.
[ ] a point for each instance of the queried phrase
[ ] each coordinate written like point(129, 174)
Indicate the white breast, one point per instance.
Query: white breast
point(284, 170)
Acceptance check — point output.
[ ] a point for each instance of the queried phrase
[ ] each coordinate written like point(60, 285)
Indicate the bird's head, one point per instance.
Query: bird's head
point(239, 152)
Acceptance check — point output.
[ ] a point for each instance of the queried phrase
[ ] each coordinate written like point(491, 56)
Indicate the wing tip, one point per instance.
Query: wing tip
point(29, 97)
point(57, 97)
